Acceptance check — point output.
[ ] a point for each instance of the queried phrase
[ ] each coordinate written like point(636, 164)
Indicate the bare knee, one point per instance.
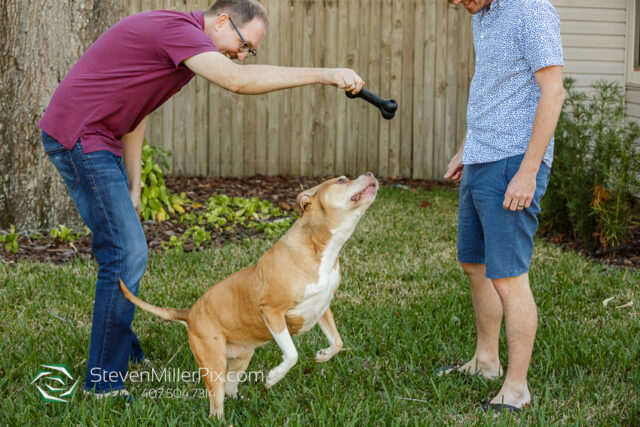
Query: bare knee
point(473, 269)
point(508, 286)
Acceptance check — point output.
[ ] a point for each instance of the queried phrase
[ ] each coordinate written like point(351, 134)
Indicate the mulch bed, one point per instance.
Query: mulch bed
point(280, 190)
point(627, 255)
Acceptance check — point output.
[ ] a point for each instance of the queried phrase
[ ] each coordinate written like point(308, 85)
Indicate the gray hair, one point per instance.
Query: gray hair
point(242, 11)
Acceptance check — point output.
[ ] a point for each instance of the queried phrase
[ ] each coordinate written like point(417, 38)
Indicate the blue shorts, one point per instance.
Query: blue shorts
point(489, 234)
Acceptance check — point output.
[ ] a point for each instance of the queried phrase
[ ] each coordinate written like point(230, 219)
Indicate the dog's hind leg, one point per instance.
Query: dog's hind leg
point(328, 326)
point(278, 328)
point(235, 372)
point(211, 355)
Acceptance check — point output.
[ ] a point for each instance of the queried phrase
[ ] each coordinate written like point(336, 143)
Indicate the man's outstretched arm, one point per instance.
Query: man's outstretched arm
point(256, 79)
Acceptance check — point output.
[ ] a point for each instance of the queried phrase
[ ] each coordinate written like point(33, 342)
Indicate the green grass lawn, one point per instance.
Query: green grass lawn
point(403, 309)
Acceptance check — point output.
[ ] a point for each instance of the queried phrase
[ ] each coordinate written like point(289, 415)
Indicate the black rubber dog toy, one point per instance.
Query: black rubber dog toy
point(387, 107)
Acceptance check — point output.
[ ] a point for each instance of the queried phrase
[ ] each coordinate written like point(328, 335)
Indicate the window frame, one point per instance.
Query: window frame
point(632, 55)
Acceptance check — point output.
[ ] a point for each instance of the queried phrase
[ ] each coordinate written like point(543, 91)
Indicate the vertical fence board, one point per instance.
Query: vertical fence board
point(296, 96)
point(189, 141)
point(201, 134)
point(250, 129)
point(364, 111)
point(214, 129)
point(431, 44)
point(385, 87)
point(417, 131)
point(440, 88)
point(341, 119)
point(237, 131)
point(354, 107)
point(273, 99)
point(226, 160)
point(396, 85)
point(286, 20)
point(179, 128)
point(319, 48)
point(306, 101)
point(407, 81)
point(372, 78)
point(330, 94)
point(259, 132)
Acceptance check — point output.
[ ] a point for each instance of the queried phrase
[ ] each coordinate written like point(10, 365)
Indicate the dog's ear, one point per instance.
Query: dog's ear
point(304, 199)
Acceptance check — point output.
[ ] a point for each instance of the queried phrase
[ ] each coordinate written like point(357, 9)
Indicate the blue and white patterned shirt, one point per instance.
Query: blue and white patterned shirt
point(512, 39)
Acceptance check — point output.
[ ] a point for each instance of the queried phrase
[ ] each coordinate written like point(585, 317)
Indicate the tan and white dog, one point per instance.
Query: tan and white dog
point(287, 292)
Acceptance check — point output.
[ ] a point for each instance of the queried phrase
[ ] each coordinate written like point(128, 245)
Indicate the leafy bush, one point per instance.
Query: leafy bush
point(155, 201)
point(596, 171)
point(36, 236)
point(64, 234)
point(198, 235)
point(10, 240)
point(222, 213)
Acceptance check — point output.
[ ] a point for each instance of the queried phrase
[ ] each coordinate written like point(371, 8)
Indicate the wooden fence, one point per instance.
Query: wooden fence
point(418, 52)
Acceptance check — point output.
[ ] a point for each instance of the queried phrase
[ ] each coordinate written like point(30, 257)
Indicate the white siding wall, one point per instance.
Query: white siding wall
point(633, 100)
point(594, 39)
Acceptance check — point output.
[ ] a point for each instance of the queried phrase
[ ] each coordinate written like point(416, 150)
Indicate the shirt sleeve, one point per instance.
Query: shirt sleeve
point(541, 41)
point(181, 40)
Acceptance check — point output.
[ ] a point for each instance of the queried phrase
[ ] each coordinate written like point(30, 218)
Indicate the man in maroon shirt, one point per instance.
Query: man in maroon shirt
point(94, 126)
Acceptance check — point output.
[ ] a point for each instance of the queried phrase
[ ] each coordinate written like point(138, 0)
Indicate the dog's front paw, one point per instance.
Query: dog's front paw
point(231, 394)
point(275, 375)
point(236, 396)
point(326, 354)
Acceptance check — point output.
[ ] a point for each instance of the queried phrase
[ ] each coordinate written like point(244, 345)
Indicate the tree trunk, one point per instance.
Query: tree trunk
point(39, 43)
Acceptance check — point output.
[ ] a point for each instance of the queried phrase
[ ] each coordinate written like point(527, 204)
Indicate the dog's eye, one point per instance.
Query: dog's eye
point(342, 181)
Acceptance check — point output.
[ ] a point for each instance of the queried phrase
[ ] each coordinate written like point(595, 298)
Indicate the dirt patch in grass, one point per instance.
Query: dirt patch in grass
point(281, 191)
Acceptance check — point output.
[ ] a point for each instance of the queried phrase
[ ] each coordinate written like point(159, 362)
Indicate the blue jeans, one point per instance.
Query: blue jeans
point(99, 187)
point(489, 234)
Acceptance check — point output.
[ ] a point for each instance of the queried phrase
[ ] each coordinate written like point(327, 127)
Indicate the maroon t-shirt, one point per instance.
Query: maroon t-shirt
point(132, 69)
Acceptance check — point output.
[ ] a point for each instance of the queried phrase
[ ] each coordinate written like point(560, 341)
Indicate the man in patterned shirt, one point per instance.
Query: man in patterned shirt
point(515, 100)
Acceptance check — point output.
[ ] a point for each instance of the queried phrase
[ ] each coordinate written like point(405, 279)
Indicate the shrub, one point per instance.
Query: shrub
point(222, 213)
point(596, 171)
point(155, 201)
point(10, 240)
point(198, 235)
point(64, 234)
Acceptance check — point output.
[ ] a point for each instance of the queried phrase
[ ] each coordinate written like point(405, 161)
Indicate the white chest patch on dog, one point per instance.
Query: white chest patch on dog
point(316, 300)
point(318, 296)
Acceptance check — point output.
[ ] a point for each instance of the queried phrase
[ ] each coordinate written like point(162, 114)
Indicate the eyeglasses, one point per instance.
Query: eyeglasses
point(244, 47)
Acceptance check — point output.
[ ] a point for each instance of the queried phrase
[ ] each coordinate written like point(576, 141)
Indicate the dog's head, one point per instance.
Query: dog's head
point(339, 199)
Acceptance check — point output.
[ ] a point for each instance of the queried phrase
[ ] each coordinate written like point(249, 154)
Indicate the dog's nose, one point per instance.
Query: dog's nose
point(370, 175)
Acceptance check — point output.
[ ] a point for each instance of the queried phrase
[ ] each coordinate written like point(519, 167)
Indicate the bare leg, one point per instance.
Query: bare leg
point(521, 323)
point(328, 326)
point(488, 312)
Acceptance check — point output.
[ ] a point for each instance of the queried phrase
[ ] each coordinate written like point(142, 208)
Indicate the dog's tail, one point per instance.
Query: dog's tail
point(164, 313)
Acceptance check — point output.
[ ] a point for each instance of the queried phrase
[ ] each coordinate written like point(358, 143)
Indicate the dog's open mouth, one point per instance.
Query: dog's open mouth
point(371, 189)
